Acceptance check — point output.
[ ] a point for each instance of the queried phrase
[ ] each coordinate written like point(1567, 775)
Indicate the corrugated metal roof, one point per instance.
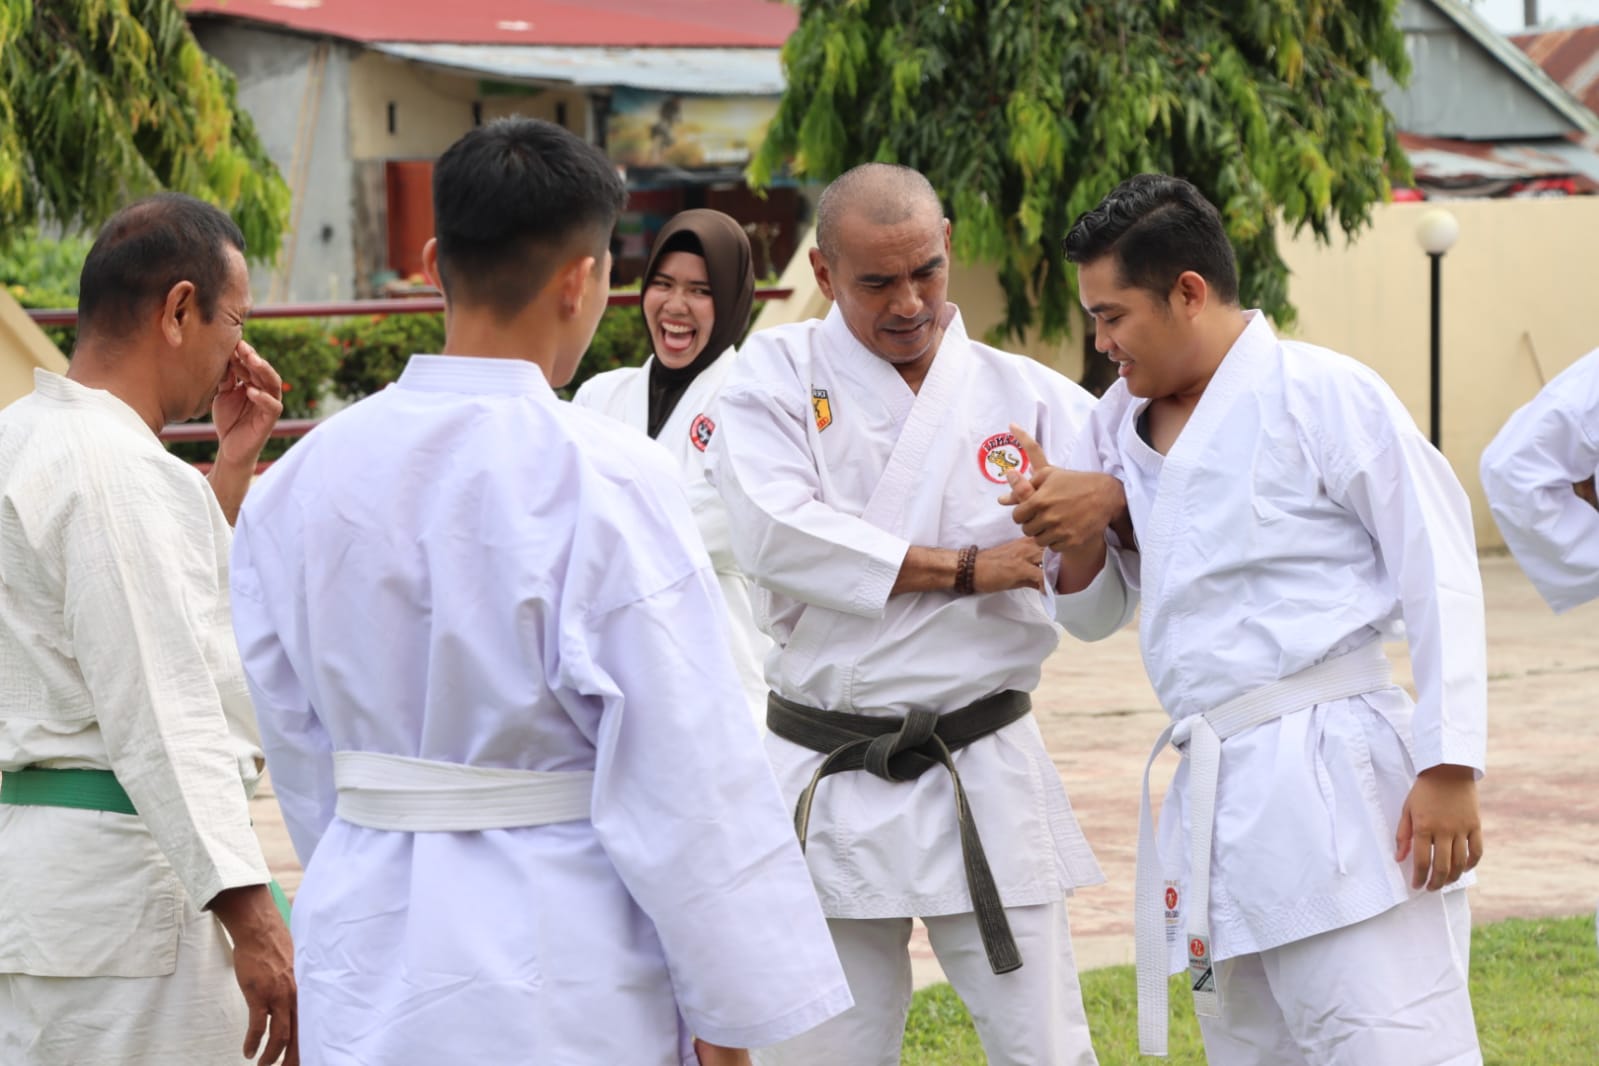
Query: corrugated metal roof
point(1570, 57)
point(616, 23)
point(702, 71)
point(1485, 167)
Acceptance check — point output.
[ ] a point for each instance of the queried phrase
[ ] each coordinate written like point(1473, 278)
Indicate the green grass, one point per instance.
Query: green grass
point(1534, 986)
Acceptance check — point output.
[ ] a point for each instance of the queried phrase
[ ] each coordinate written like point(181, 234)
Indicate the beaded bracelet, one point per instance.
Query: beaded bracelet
point(966, 570)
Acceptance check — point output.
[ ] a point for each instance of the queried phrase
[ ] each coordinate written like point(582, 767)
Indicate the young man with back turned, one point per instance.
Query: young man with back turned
point(490, 660)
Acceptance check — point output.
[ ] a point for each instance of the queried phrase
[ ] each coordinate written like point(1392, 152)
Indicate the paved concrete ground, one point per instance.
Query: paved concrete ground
point(1540, 800)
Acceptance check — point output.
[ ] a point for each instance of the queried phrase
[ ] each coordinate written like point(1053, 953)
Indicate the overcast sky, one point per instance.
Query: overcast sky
point(1506, 15)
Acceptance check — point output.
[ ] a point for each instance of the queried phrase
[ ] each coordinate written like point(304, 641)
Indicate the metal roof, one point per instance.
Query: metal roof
point(1486, 167)
point(702, 71)
point(1570, 57)
point(617, 23)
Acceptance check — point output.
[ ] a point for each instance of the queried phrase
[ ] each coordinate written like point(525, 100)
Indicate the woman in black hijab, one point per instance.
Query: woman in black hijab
point(699, 286)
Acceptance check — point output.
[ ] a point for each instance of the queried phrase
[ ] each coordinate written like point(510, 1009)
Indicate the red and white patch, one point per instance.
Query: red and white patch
point(699, 434)
point(1171, 897)
point(1000, 454)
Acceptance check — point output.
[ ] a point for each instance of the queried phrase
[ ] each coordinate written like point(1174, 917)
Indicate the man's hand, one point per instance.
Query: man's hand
point(1016, 564)
point(246, 408)
point(263, 964)
point(1585, 491)
point(1440, 827)
point(716, 1055)
point(1066, 510)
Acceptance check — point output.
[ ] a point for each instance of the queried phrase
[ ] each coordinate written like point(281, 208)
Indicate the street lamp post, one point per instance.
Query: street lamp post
point(1436, 234)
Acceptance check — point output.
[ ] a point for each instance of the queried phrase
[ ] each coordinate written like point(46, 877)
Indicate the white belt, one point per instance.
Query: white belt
point(1355, 673)
point(422, 796)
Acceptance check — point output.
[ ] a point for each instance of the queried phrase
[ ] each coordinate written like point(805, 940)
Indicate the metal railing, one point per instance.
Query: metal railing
point(405, 305)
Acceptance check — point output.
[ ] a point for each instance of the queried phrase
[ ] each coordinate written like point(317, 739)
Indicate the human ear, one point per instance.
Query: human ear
point(574, 281)
point(824, 276)
point(430, 263)
point(176, 311)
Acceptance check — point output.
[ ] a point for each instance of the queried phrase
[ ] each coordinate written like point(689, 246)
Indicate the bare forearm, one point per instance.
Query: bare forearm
point(229, 482)
point(1079, 567)
point(927, 570)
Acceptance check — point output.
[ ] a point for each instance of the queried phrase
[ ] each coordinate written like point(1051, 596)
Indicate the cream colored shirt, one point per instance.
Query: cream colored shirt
point(116, 652)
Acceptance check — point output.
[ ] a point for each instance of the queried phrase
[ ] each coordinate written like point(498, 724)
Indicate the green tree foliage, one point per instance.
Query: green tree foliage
point(1025, 113)
point(102, 101)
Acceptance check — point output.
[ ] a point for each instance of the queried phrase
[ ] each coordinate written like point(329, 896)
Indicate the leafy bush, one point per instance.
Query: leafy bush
point(620, 340)
point(374, 349)
point(42, 272)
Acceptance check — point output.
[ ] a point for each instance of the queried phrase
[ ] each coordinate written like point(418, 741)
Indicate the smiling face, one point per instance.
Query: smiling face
point(678, 308)
point(1151, 340)
point(890, 283)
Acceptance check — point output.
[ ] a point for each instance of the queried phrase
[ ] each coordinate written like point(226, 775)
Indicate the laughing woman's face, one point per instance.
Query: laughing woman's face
point(678, 308)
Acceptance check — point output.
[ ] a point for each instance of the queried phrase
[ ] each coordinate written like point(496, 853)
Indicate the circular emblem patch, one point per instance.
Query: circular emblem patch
point(1171, 898)
point(999, 455)
point(699, 434)
point(1196, 948)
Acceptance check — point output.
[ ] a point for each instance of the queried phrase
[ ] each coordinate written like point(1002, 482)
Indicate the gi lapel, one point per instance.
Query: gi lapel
point(912, 459)
point(1239, 371)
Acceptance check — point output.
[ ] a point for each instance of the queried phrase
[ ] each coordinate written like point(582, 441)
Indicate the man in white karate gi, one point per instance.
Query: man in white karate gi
point(136, 923)
point(1539, 476)
point(862, 458)
point(490, 660)
point(1286, 513)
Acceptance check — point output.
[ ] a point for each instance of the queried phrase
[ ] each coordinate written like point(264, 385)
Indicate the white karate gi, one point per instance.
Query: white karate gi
point(1301, 514)
point(832, 469)
point(464, 569)
point(624, 394)
point(116, 654)
point(1528, 470)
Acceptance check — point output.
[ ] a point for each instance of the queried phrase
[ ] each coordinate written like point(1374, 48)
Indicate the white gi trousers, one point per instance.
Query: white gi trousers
point(1388, 991)
point(1028, 1017)
point(195, 1016)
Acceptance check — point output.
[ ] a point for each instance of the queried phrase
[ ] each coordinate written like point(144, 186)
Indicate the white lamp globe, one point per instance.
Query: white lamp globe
point(1437, 231)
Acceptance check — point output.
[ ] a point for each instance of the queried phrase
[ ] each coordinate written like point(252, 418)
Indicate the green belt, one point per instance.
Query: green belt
point(902, 749)
point(84, 790)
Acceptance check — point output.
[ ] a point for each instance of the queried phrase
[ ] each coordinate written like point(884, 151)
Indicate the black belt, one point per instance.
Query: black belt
point(902, 749)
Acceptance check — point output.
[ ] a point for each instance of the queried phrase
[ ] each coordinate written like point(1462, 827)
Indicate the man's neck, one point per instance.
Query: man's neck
point(483, 337)
point(121, 375)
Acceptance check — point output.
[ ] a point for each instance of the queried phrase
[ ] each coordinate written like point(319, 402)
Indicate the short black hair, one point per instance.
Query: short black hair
point(147, 248)
point(509, 199)
point(1158, 227)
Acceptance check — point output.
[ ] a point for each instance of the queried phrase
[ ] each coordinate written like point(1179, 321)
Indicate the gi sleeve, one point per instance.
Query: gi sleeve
point(141, 580)
point(689, 813)
point(1528, 471)
point(298, 749)
point(783, 534)
point(1410, 502)
point(1111, 599)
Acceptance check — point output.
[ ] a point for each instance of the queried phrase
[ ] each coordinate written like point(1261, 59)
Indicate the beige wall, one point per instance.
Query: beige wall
point(23, 346)
point(1518, 299)
point(1520, 290)
point(432, 108)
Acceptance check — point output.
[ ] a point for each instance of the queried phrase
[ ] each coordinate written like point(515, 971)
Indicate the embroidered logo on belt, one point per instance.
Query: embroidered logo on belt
point(699, 434)
point(823, 409)
point(999, 455)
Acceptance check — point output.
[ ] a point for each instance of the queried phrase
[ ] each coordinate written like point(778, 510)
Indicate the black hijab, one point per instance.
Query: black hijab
point(729, 267)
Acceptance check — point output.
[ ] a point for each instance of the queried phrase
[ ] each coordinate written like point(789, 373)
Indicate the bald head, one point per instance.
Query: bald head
point(882, 194)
